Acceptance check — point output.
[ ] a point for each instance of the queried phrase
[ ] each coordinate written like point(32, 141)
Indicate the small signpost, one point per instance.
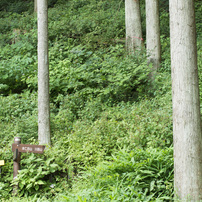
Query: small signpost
point(28, 148)
point(17, 149)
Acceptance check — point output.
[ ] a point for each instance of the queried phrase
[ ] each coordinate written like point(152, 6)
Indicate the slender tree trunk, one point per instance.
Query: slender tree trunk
point(134, 39)
point(153, 34)
point(43, 74)
point(35, 6)
point(187, 129)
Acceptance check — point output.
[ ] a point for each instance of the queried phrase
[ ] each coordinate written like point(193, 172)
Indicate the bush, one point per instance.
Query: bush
point(40, 172)
point(99, 130)
point(18, 115)
point(109, 75)
point(18, 55)
point(15, 6)
point(91, 30)
point(140, 175)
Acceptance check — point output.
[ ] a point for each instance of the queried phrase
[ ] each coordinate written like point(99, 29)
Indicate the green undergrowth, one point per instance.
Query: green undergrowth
point(80, 144)
point(111, 126)
point(137, 175)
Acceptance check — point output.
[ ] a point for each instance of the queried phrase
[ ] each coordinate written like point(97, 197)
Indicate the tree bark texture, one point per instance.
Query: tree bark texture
point(134, 39)
point(153, 33)
point(187, 129)
point(43, 74)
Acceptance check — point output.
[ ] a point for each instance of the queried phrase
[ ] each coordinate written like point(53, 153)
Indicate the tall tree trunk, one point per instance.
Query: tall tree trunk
point(187, 129)
point(134, 39)
point(153, 33)
point(43, 74)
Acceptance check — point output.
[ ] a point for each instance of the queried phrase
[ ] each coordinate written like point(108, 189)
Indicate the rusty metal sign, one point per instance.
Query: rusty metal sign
point(28, 148)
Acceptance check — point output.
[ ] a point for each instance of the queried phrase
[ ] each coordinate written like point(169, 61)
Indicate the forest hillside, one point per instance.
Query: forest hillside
point(111, 126)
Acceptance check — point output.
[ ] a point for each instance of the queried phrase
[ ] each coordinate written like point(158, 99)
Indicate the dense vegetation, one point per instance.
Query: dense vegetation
point(111, 126)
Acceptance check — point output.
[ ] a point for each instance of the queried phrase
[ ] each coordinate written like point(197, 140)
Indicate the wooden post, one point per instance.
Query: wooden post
point(16, 163)
point(17, 148)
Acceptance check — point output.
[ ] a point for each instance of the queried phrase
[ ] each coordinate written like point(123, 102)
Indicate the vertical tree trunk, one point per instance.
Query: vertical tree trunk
point(153, 33)
point(43, 74)
point(134, 39)
point(187, 129)
point(35, 6)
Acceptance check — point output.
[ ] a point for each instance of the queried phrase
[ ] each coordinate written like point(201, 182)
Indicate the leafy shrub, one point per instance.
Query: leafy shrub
point(95, 131)
point(198, 10)
point(18, 55)
point(20, 6)
point(164, 18)
point(18, 115)
point(35, 174)
point(91, 30)
point(165, 55)
point(15, 6)
point(17, 105)
point(6, 170)
point(108, 75)
point(38, 172)
point(140, 175)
